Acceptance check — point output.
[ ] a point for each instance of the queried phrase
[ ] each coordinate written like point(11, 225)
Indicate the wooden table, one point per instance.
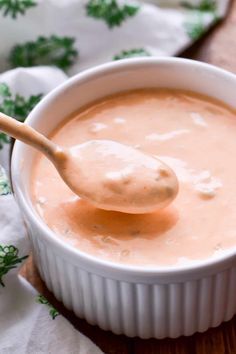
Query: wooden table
point(219, 48)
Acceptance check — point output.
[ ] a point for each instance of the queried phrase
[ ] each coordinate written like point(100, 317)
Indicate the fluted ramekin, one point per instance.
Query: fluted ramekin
point(146, 302)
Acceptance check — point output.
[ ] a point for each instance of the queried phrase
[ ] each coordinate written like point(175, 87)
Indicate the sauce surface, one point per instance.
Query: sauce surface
point(192, 134)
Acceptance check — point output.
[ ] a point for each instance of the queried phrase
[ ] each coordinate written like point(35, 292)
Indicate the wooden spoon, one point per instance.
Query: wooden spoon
point(107, 174)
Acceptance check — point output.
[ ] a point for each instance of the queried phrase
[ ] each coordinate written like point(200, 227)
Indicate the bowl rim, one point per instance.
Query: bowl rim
point(74, 253)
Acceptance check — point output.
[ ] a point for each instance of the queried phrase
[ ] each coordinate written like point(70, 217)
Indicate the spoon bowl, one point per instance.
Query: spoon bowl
point(113, 176)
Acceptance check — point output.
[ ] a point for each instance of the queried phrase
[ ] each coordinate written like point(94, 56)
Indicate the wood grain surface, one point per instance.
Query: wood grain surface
point(219, 48)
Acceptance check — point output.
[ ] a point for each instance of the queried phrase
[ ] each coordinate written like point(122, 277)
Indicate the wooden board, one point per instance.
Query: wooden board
point(219, 48)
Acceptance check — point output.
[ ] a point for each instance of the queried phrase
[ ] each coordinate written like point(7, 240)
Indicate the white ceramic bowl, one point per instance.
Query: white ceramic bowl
point(136, 301)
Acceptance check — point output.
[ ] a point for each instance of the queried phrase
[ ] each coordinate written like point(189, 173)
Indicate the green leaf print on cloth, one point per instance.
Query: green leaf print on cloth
point(9, 259)
point(204, 5)
point(5, 187)
point(110, 11)
point(4, 139)
point(53, 50)
point(52, 311)
point(195, 26)
point(15, 106)
point(132, 53)
point(14, 8)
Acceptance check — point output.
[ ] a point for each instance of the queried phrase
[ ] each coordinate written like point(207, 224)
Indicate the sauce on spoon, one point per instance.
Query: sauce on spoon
point(109, 175)
point(113, 176)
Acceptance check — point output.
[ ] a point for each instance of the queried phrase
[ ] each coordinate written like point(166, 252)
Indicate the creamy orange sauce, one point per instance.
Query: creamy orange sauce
point(192, 134)
point(124, 179)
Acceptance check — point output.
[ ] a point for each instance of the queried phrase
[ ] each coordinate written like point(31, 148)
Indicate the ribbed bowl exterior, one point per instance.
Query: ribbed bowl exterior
point(135, 309)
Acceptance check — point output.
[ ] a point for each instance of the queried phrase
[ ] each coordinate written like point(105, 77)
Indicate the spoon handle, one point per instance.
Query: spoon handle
point(28, 135)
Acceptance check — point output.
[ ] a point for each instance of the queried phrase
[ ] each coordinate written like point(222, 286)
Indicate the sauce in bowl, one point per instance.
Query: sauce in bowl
point(192, 134)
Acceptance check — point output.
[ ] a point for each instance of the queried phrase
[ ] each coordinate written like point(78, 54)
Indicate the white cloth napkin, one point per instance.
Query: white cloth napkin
point(29, 324)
